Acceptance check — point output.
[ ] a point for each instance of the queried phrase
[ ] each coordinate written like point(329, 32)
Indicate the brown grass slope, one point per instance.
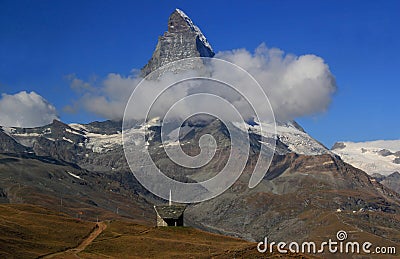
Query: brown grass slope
point(128, 240)
point(28, 231)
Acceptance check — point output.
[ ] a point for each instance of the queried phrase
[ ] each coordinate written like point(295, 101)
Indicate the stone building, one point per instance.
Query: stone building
point(169, 215)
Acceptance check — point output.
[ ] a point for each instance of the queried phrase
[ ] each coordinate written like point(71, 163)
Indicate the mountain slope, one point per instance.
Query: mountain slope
point(8, 144)
point(392, 181)
point(124, 240)
point(296, 191)
point(31, 231)
point(67, 188)
point(182, 40)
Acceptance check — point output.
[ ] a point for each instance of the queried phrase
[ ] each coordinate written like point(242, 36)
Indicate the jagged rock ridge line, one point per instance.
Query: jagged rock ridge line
point(182, 40)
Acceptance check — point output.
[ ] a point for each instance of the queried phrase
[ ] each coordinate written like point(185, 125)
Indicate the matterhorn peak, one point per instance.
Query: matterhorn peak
point(190, 24)
point(183, 39)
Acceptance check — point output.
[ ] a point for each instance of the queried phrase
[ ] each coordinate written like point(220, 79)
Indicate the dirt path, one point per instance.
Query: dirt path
point(73, 252)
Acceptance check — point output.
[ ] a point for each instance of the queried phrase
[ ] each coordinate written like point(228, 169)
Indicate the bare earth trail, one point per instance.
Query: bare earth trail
point(73, 252)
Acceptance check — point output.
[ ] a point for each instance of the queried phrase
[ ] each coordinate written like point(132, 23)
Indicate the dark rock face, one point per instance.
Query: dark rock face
point(182, 40)
point(44, 181)
point(9, 145)
point(3, 196)
point(62, 150)
point(392, 181)
point(385, 152)
point(338, 145)
point(105, 127)
point(378, 177)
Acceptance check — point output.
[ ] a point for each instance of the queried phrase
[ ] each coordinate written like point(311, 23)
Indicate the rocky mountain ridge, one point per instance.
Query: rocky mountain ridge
point(182, 40)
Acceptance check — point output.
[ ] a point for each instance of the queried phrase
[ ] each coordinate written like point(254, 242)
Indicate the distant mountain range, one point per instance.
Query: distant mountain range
point(380, 159)
point(308, 192)
point(374, 157)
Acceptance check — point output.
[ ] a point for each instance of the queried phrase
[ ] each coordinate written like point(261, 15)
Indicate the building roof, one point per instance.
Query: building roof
point(170, 211)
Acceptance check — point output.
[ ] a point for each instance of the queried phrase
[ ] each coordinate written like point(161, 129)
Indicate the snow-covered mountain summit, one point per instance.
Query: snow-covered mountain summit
point(194, 28)
point(182, 40)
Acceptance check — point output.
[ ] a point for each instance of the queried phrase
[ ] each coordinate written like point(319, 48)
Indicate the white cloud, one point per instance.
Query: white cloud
point(110, 99)
point(296, 85)
point(25, 110)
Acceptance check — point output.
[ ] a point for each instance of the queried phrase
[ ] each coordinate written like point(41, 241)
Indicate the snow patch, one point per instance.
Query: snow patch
point(297, 140)
point(73, 132)
point(68, 140)
point(74, 175)
point(27, 134)
point(100, 143)
point(327, 163)
point(78, 127)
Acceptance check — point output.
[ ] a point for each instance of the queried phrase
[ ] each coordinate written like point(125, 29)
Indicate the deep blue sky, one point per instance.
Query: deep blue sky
point(43, 41)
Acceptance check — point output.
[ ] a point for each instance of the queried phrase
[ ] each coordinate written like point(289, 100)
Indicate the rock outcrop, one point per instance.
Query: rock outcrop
point(182, 40)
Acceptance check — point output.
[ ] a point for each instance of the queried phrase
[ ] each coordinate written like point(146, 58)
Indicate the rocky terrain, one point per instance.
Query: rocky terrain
point(308, 192)
point(182, 40)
